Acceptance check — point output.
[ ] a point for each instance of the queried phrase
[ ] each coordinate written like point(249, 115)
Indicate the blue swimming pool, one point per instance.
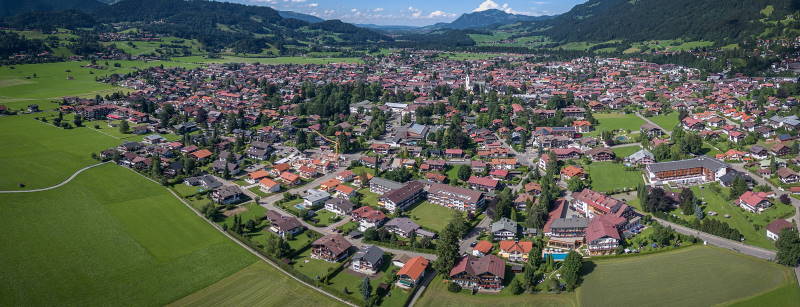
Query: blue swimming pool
point(299, 206)
point(558, 256)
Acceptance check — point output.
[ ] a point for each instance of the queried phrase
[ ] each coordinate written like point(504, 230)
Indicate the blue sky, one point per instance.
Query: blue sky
point(411, 12)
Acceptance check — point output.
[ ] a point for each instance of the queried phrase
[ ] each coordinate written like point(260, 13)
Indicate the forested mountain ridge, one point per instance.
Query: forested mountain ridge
point(641, 20)
point(492, 17)
point(14, 7)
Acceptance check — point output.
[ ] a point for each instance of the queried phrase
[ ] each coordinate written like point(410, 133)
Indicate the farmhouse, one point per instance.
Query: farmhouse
point(330, 248)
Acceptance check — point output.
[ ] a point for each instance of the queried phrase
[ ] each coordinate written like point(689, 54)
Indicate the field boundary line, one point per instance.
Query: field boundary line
point(58, 185)
point(248, 248)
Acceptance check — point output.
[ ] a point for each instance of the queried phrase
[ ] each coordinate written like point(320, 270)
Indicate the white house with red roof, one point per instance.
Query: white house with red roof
point(754, 202)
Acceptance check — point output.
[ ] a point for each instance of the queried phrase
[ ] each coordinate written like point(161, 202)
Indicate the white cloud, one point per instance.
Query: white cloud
point(313, 4)
point(378, 9)
point(491, 5)
point(440, 14)
point(415, 12)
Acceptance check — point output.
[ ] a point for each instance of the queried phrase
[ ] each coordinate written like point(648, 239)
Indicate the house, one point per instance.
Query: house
point(780, 150)
point(267, 185)
point(201, 154)
point(602, 235)
point(453, 153)
point(572, 171)
point(284, 225)
point(487, 184)
point(345, 176)
point(208, 182)
point(402, 226)
point(521, 202)
point(482, 248)
point(339, 206)
point(787, 175)
point(592, 203)
point(367, 218)
point(412, 272)
point(403, 197)
point(307, 172)
point(381, 149)
point(775, 228)
point(254, 177)
point(505, 229)
point(381, 186)
point(367, 260)
point(650, 130)
point(343, 191)
point(759, 152)
point(565, 153)
point(259, 151)
point(642, 157)
point(315, 198)
point(582, 126)
point(516, 251)
point(484, 273)
point(601, 154)
point(755, 202)
point(228, 195)
point(331, 248)
point(455, 197)
point(290, 178)
point(279, 169)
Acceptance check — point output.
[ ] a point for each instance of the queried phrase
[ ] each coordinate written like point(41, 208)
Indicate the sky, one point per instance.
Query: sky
point(411, 12)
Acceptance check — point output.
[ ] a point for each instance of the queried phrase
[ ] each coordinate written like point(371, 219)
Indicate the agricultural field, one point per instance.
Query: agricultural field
point(608, 176)
point(666, 121)
point(266, 60)
point(692, 276)
point(40, 155)
point(97, 242)
point(248, 287)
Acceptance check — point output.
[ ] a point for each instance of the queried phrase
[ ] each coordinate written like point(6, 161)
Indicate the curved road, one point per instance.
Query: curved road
point(58, 185)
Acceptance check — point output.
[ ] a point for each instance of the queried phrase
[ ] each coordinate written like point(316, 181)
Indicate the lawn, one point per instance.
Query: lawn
point(325, 218)
point(692, 276)
point(312, 268)
point(40, 155)
point(666, 121)
point(97, 241)
point(617, 121)
point(368, 198)
point(248, 287)
point(751, 225)
point(437, 295)
point(430, 216)
point(608, 177)
point(623, 152)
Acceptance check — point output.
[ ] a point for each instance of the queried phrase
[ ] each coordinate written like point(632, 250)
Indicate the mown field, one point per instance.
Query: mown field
point(437, 295)
point(666, 121)
point(608, 176)
point(249, 287)
point(39, 155)
point(693, 276)
point(617, 121)
point(109, 237)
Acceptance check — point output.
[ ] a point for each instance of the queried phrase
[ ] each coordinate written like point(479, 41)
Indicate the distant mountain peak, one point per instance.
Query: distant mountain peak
point(486, 18)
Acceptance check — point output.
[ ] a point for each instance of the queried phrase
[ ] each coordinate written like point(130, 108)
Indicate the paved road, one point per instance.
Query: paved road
point(721, 242)
point(58, 185)
point(422, 286)
point(668, 132)
point(463, 246)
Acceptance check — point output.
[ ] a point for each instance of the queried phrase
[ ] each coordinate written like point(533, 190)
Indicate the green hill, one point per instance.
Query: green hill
point(14, 7)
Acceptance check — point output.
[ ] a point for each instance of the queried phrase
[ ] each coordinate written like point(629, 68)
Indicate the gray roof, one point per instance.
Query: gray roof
point(572, 222)
point(641, 154)
point(418, 129)
point(504, 224)
point(704, 162)
point(386, 183)
point(342, 204)
point(317, 195)
point(371, 254)
point(404, 224)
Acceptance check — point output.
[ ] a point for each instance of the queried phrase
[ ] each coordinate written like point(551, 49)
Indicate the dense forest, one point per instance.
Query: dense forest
point(13, 43)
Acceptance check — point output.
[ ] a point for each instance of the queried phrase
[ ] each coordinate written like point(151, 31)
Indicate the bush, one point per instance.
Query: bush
point(454, 287)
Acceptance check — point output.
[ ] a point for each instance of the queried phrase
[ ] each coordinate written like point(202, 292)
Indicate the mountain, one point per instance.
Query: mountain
point(388, 28)
point(300, 16)
point(484, 19)
point(14, 7)
point(643, 20)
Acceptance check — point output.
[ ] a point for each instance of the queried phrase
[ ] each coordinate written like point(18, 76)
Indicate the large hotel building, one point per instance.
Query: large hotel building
point(694, 171)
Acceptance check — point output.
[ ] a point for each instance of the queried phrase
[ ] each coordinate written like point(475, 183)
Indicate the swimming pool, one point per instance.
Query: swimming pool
point(557, 256)
point(300, 206)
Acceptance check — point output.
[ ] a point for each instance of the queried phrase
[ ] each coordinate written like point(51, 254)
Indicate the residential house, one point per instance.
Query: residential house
point(344, 191)
point(314, 198)
point(339, 206)
point(787, 175)
point(775, 228)
point(602, 235)
point(268, 186)
point(487, 184)
point(572, 171)
point(367, 218)
point(284, 225)
point(516, 251)
point(367, 260)
point(601, 154)
point(401, 226)
point(412, 272)
point(381, 186)
point(642, 157)
point(228, 195)
point(332, 248)
point(255, 177)
point(754, 202)
point(505, 229)
point(484, 273)
point(482, 248)
point(290, 178)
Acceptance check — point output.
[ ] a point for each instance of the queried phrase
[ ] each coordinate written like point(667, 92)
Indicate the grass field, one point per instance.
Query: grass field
point(666, 121)
point(40, 155)
point(623, 152)
point(608, 176)
point(692, 276)
point(109, 237)
point(248, 287)
point(437, 295)
point(430, 216)
point(617, 121)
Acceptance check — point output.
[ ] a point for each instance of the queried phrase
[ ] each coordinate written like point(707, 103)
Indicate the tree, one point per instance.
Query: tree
point(78, 121)
point(738, 187)
point(124, 128)
point(276, 246)
point(446, 249)
point(788, 245)
point(570, 269)
point(515, 287)
point(687, 201)
point(576, 184)
point(464, 172)
point(366, 289)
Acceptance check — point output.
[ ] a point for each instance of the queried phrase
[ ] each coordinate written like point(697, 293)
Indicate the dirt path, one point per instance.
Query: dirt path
point(58, 185)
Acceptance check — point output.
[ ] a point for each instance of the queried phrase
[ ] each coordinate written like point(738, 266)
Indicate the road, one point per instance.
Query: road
point(668, 132)
point(721, 242)
point(473, 234)
point(58, 185)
